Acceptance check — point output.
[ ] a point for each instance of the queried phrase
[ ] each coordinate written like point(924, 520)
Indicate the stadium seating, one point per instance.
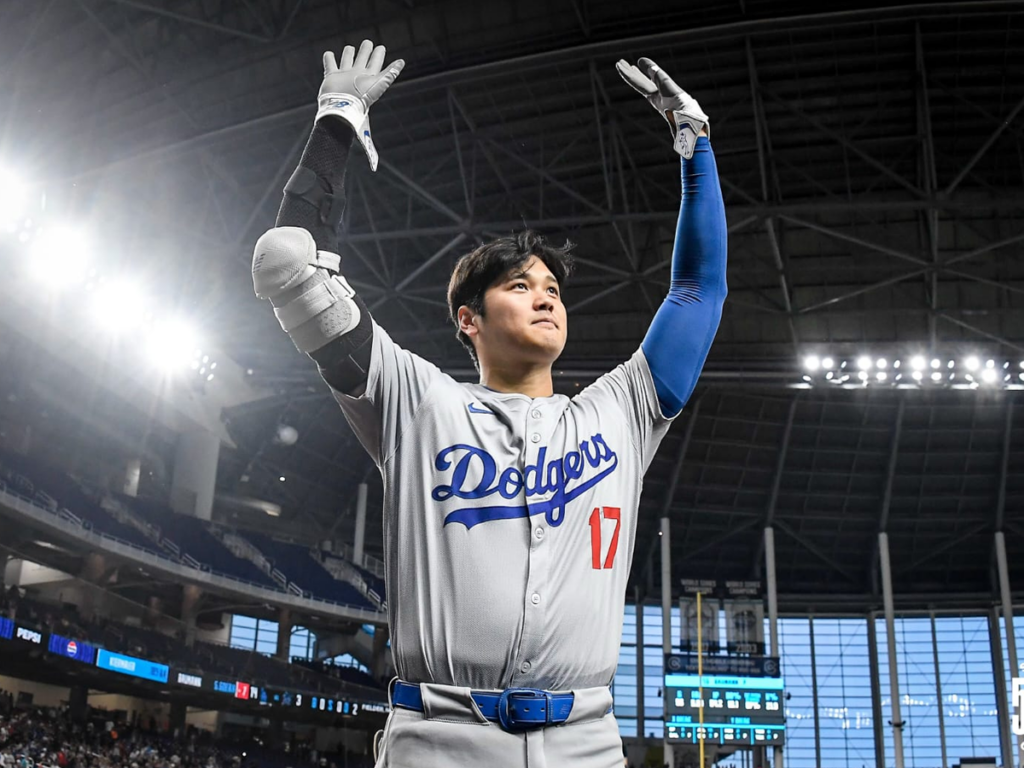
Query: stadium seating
point(55, 490)
point(194, 538)
point(296, 562)
point(191, 537)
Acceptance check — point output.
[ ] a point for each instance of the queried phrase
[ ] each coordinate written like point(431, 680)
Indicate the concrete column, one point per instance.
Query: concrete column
point(132, 473)
point(195, 473)
point(1006, 738)
point(666, 608)
point(360, 536)
point(78, 703)
point(814, 692)
point(876, 692)
point(641, 715)
point(93, 568)
point(771, 583)
point(179, 711)
point(1006, 596)
point(890, 632)
point(938, 690)
point(190, 597)
point(284, 634)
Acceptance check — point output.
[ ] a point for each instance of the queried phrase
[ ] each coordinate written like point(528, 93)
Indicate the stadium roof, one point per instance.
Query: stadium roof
point(872, 162)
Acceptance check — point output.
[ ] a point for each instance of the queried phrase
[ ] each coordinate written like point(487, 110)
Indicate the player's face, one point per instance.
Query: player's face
point(524, 318)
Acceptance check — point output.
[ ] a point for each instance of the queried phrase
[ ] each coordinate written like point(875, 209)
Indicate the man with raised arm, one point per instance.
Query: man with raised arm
point(509, 511)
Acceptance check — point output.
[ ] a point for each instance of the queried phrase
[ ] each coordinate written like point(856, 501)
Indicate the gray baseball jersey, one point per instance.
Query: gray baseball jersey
point(509, 521)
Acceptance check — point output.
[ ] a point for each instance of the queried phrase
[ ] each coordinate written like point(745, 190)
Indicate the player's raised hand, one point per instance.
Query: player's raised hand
point(352, 85)
point(680, 109)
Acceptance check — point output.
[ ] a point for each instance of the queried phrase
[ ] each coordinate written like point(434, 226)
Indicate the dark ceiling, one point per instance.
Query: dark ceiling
point(872, 160)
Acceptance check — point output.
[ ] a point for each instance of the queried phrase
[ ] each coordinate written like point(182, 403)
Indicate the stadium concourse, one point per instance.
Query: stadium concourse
point(191, 537)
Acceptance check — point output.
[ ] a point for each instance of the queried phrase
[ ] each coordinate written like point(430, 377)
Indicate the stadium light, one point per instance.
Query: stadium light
point(936, 376)
point(828, 362)
point(972, 363)
point(13, 200)
point(989, 375)
point(917, 362)
point(118, 306)
point(172, 344)
point(60, 256)
point(863, 362)
point(881, 363)
point(918, 375)
point(812, 362)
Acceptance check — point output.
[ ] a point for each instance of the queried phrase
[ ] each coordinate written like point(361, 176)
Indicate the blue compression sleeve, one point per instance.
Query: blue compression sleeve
point(680, 336)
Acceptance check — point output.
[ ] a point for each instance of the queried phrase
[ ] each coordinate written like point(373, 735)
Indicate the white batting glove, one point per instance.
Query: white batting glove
point(351, 87)
point(680, 109)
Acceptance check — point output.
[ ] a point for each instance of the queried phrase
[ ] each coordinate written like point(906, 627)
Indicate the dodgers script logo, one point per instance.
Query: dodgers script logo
point(554, 477)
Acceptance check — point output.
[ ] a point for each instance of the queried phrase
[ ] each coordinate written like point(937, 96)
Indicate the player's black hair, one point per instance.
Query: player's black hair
point(482, 268)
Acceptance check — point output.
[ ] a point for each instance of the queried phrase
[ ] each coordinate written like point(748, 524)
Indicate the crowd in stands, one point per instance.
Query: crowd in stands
point(49, 738)
point(236, 663)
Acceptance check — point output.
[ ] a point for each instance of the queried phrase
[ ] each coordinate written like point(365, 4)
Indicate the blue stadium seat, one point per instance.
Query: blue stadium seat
point(296, 562)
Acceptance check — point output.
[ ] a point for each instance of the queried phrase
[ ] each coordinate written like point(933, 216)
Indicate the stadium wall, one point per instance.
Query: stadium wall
point(43, 695)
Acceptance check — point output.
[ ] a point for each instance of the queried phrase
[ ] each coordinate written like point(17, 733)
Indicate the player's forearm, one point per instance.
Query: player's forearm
point(680, 336)
point(314, 197)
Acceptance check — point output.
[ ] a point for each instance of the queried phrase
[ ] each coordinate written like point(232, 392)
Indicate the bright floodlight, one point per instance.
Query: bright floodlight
point(171, 344)
point(13, 199)
point(989, 375)
point(60, 256)
point(990, 363)
point(936, 376)
point(828, 362)
point(880, 376)
point(917, 362)
point(863, 375)
point(118, 306)
point(863, 362)
point(881, 362)
point(918, 375)
point(812, 362)
point(972, 363)
point(936, 362)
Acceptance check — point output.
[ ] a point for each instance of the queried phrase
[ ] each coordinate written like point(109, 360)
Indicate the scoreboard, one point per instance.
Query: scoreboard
point(738, 709)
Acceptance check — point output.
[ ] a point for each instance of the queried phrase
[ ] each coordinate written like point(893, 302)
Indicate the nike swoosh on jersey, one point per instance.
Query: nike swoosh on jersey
point(474, 408)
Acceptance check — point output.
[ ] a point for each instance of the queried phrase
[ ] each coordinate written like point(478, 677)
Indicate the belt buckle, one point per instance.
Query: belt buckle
point(505, 718)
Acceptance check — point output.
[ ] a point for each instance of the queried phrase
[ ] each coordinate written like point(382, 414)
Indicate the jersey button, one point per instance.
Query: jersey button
point(525, 666)
point(539, 533)
point(535, 414)
point(535, 598)
point(535, 438)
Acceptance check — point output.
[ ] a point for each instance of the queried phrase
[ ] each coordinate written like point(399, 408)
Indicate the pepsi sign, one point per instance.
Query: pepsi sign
point(72, 649)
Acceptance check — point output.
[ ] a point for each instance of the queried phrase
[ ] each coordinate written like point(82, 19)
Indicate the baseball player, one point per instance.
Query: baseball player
point(509, 511)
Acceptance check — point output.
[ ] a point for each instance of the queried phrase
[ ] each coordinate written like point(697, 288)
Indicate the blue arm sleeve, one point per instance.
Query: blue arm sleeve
point(681, 333)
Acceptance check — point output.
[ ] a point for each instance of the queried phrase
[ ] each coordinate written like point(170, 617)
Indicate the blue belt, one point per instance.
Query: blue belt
point(515, 709)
